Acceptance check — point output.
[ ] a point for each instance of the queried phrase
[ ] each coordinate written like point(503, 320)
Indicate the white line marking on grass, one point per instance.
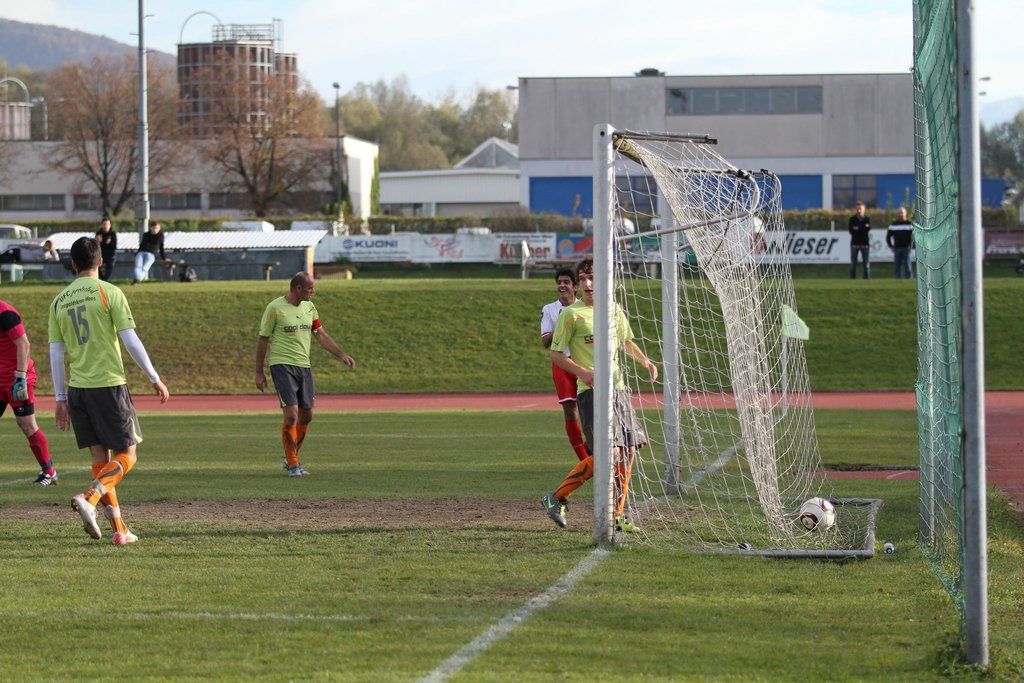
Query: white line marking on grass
point(512, 620)
point(28, 480)
point(724, 458)
point(230, 616)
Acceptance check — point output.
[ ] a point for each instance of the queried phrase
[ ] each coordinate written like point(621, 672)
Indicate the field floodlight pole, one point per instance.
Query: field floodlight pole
point(975, 579)
point(142, 182)
point(604, 297)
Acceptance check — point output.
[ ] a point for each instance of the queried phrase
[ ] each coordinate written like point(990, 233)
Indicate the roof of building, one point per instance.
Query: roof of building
point(207, 241)
point(492, 153)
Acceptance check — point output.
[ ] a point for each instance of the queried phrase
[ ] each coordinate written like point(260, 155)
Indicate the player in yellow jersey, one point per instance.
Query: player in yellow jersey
point(574, 330)
point(288, 324)
point(86, 320)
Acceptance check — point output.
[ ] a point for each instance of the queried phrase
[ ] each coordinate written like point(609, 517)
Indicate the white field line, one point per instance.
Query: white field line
point(28, 480)
point(512, 620)
point(501, 629)
point(229, 616)
point(724, 458)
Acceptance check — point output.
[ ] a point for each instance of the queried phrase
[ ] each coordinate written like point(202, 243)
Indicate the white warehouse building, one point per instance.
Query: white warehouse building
point(833, 139)
point(485, 183)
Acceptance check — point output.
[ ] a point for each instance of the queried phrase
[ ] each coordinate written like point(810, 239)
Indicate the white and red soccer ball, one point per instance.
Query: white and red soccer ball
point(817, 514)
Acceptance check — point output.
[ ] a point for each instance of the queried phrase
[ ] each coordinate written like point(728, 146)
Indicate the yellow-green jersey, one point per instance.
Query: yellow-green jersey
point(574, 330)
point(289, 329)
point(86, 317)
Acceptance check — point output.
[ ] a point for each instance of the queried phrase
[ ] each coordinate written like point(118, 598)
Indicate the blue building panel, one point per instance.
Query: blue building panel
point(895, 190)
point(993, 190)
point(564, 195)
point(801, 192)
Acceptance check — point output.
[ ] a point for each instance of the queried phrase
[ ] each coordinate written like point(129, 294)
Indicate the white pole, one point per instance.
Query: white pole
point(670, 344)
point(142, 181)
point(604, 288)
point(975, 581)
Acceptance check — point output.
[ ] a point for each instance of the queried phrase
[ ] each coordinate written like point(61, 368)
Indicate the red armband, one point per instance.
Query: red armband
point(317, 325)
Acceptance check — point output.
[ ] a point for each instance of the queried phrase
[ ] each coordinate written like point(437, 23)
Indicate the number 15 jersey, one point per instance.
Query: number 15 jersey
point(87, 316)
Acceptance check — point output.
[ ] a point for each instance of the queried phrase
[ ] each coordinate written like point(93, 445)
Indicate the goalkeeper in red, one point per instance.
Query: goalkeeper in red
point(17, 388)
point(288, 324)
point(86, 321)
point(575, 331)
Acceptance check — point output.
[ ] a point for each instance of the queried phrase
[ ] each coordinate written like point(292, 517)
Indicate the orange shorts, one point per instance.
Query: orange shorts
point(565, 384)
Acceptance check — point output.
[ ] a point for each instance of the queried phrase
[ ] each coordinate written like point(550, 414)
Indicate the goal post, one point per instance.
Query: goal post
point(717, 452)
point(950, 386)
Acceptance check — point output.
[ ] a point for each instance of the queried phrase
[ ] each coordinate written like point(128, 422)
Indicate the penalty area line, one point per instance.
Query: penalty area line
point(511, 621)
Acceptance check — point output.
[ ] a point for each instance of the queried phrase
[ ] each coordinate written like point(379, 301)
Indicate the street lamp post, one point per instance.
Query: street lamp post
point(337, 147)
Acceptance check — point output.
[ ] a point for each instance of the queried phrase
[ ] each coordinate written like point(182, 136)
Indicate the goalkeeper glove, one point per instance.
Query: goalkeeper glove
point(19, 390)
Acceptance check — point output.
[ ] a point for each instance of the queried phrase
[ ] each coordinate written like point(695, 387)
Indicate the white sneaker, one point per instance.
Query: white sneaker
point(125, 538)
point(297, 471)
point(88, 513)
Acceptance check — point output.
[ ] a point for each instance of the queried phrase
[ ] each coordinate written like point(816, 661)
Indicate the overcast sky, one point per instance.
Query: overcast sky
point(458, 44)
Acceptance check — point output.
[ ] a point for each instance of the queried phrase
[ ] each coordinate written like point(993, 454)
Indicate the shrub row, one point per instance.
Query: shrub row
point(811, 219)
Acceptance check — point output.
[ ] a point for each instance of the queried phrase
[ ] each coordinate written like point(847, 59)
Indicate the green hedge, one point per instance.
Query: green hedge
point(811, 219)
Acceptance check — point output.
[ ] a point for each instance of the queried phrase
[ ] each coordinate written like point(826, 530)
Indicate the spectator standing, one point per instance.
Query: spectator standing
point(860, 241)
point(49, 253)
point(107, 238)
point(151, 246)
point(900, 238)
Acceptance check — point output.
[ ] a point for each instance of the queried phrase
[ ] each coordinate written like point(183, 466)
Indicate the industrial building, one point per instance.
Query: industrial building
point(246, 52)
point(34, 190)
point(484, 183)
point(834, 139)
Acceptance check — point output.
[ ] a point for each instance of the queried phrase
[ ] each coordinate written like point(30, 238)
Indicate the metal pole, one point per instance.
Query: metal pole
point(975, 569)
point(670, 343)
point(142, 182)
point(337, 146)
point(604, 288)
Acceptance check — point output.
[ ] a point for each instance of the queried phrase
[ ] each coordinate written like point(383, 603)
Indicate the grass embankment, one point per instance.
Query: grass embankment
point(272, 599)
point(481, 335)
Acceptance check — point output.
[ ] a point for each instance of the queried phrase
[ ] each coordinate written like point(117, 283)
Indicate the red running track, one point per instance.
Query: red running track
point(1004, 415)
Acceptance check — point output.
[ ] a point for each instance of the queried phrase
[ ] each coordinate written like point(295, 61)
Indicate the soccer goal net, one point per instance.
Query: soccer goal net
point(950, 384)
point(688, 250)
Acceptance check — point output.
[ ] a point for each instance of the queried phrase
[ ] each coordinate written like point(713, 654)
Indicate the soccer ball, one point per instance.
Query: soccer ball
point(817, 514)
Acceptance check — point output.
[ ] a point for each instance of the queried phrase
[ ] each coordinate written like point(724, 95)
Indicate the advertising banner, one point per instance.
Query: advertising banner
point(453, 249)
point(541, 244)
point(365, 249)
point(571, 248)
point(1004, 244)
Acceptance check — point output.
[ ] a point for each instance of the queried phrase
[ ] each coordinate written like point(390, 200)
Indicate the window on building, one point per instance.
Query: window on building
point(677, 101)
point(229, 200)
point(32, 202)
point(773, 100)
point(848, 190)
point(637, 194)
point(186, 200)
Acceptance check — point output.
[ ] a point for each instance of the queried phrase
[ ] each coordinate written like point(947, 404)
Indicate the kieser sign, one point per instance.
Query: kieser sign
point(820, 246)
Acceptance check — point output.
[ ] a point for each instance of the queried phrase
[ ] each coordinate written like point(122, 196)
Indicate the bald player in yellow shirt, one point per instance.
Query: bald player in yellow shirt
point(85, 321)
point(288, 324)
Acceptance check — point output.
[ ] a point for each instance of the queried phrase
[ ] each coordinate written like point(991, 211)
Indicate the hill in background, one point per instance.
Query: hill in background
point(38, 46)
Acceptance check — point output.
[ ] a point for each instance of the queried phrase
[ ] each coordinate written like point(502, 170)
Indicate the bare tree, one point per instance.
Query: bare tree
point(265, 133)
point(96, 123)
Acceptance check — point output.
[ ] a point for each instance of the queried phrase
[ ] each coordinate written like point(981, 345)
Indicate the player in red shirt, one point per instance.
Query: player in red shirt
point(18, 387)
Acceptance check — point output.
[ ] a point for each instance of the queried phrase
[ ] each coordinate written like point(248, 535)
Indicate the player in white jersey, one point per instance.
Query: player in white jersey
point(565, 382)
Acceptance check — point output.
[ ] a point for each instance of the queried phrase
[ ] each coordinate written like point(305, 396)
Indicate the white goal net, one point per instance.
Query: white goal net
point(692, 246)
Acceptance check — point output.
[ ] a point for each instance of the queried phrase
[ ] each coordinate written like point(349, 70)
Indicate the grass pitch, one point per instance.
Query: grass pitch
point(415, 533)
point(446, 335)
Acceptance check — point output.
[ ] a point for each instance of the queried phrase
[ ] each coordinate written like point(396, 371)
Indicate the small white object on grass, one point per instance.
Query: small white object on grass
point(889, 548)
